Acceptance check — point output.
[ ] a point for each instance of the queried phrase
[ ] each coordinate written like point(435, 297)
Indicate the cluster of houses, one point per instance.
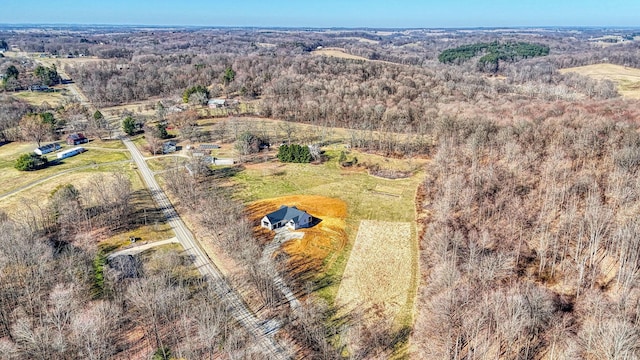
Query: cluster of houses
point(72, 139)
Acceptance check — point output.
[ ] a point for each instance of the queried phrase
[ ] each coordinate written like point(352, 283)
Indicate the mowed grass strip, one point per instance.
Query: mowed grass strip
point(379, 274)
point(627, 78)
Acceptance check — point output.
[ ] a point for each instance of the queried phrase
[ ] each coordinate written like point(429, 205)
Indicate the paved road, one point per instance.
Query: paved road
point(263, 333)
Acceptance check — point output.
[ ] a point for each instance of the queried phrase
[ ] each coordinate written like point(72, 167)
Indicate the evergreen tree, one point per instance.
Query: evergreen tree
point(129, 125)
point(30, 162)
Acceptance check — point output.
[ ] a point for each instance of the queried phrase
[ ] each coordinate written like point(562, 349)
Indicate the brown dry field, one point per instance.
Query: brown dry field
point(322, 243)
point(379, 274)
point(338, 53)
point(38, 98)
point(364, 40)
point(60, 63)
point(627, 79)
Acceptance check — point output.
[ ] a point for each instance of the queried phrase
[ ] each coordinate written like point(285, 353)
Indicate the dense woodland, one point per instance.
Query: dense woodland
point(527, 213)
point(530, 241)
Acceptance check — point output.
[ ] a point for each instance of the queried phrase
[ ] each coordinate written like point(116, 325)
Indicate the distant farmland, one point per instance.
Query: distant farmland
point(627, 78)
point(338, 53)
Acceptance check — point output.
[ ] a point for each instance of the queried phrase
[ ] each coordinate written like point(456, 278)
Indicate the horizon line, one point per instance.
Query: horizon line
point(324, 27)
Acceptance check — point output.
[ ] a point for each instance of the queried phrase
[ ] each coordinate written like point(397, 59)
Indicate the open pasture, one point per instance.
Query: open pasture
point(627, 78)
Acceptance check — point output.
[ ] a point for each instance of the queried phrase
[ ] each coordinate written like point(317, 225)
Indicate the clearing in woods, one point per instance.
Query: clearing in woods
point(37, 98)
point(338, 53)
point(627, 78)
point(366, 197)
point(379, 274)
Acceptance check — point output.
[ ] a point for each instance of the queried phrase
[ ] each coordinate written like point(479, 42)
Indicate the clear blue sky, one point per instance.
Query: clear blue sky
point(326, 13)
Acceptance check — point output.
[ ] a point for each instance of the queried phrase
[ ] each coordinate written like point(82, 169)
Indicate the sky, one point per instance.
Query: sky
point(326, 13)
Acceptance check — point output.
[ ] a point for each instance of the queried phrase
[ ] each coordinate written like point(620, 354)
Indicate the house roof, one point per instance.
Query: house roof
point(49, 146)
point(76, 136)
point(208, 147)
point(285, 213)
point(217, 101)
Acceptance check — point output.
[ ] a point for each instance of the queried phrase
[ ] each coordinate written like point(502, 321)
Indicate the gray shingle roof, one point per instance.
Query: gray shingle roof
point(285, 213)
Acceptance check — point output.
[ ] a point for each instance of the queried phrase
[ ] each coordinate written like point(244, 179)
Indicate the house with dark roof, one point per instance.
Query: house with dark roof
point(169, 147)
point(287, 216)
point(47, 149)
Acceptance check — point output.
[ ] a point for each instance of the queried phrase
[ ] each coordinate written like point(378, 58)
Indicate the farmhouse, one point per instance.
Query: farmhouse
point(47, 149)
point(289, 216)
point(77, 138)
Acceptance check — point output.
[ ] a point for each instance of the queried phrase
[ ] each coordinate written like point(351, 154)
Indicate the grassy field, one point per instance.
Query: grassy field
point(627, 79)
point(356, 187)
point(366, 198)
point(166, 162)
point(338, 53)
point(379, 275)
point(38, 193)
point(151, 226)
point(14, 179)
point(37, 98)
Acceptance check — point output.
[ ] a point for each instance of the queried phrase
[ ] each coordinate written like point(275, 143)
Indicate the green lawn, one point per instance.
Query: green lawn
point(367, 197)
point(165, 162)
point(107, 144)
point(37, 98)
point(13, 179)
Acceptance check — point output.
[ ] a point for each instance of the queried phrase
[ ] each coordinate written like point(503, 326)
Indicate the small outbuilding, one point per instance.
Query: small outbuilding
point(169, 147)
point(217, 103)
point(287, 216)
point(76, 139)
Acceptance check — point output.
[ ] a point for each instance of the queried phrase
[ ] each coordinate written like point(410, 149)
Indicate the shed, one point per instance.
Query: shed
point(217, 103)
point(169, 147)
point(76, 138)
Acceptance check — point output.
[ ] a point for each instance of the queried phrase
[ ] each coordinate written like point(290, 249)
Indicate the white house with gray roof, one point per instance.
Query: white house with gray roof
point(289, 216)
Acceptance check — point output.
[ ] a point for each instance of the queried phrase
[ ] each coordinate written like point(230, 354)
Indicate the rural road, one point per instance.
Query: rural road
point(263, 335)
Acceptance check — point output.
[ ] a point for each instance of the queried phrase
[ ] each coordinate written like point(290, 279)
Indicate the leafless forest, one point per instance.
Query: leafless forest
point(527, 215)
